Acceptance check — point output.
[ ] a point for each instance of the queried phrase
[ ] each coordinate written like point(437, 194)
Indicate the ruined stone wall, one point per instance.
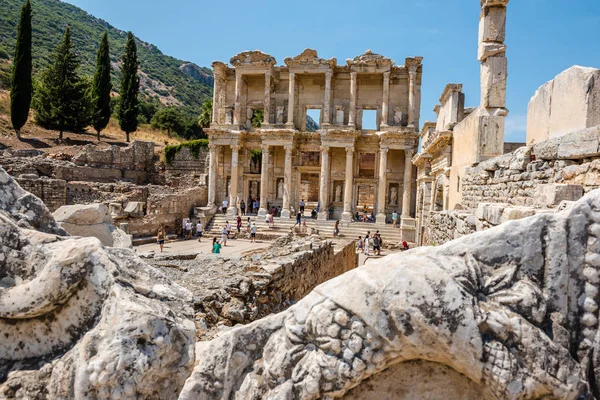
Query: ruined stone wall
point(53, 192)
point(185, 170)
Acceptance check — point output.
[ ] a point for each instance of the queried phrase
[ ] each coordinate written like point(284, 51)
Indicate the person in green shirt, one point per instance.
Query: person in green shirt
point(216, 246)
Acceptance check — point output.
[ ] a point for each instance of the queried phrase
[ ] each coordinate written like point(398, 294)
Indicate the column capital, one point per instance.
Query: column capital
point(409, 152)
point(265, 147)
point(328, 74)
point(212, 146)
point(386, 75)
point(235, 147)
point(325, 148)
point(349, 149)
point(384, 149)
point(288, 147)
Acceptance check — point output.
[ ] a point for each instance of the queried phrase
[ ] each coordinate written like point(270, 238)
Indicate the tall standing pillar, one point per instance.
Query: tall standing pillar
point(264, 187)
point(237, 112)
point(327, 99)
point(291, 100)
point(407, 187)
point(267, 100)
point(324, 186)
point(412, 77)
point(353, 94)
point(287, 182)
point(212, 175)
point(385, 100)
point(347, 214)
point(234, 190)
point(382, 186)
point(216, 94)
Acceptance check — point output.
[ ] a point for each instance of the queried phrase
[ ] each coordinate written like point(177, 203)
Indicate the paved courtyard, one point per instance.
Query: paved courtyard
point(233, 248)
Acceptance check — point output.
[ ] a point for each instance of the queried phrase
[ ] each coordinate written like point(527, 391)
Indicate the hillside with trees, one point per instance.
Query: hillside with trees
point(164, 78)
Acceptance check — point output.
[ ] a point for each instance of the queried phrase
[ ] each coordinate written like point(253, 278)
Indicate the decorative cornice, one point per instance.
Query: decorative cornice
point(309, 58)
point(253, 58)
point(370, 59)
point(448, 90)
point(413, 63)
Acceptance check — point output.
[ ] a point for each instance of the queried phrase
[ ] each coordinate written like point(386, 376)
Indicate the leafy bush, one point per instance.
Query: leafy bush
point(4, 54)
point(193, 145)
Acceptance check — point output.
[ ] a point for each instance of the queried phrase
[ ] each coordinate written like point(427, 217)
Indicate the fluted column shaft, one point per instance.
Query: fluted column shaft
point(267, 100)
point(291, 100)
point(381, 189)
point(407, 189)
point(327, 99)
point(347, 214)
point(237, 112)
point(353, 94)
point(324, 186)
point(216, 94)
point(233, 192)
point(412, 77)
point(386, 99)
point(287, 182)
point(212, 175)
point(264, 187)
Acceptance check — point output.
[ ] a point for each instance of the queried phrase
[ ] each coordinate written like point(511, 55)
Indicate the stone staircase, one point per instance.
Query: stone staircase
point(282, 226)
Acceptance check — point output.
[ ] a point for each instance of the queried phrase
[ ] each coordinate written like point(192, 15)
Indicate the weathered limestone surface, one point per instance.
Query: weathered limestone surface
point(513, 309)
point(92, 220)
point(569, 102)
point(81, 321)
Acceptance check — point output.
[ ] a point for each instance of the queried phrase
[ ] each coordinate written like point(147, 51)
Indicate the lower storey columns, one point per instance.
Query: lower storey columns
point(234, 190)
point(347, 214)
point(381, 190)
point(408, 153)
point(324, 189)
point(264, 187)
point(287, 182)
point(212, 175)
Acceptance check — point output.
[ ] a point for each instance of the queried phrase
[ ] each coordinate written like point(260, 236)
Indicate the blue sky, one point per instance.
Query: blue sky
point(544, 37)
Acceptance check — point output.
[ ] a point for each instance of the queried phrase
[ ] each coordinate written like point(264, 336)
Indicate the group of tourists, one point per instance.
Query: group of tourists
point(364, 245)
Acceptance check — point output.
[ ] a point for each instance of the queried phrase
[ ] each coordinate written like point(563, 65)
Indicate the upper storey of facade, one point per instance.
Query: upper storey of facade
point(253, 86)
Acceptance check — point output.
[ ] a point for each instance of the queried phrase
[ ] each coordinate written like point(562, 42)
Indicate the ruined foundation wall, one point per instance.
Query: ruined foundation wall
point(186, 170)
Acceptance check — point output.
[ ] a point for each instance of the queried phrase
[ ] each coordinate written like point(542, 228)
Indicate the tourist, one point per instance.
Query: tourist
point(360, 246)
point(216, 246)
point(313, 214)
point(279, 211)
point(318, 207)
point(405, 245)
point(336, 228)
point(199, 230)
point(228, 228)
point(253, 232)
point(188, 229)
point(239, 224)
point(224, 206)
point(357, 216)
point(224, 235)
point(365, 216)
point(302, 204)
point(183, 222)
point(243, 207)
point(256, 206)
point(298, 219)
point(304, 228)
point(395, 218)
point(367, 242)
point(376, 249)
point(331, 210)
point(268, 219)
point(248, 227)
point(160, 238)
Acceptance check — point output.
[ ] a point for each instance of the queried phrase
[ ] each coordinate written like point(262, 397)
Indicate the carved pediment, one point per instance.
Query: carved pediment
point(309, 57)
point(253, 58)
point(370, 59)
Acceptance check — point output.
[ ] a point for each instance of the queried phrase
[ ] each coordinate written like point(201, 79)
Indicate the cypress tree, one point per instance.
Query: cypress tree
point(101, 88)
point(22, 88)
point(130, 86)
point(61, 98)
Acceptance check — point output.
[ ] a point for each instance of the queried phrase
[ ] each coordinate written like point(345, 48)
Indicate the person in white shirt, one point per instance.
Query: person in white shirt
point(224, 236)
point(188, 229)
point(199, 230)
point(253, 232)
point(224, 206)
point(228, 228)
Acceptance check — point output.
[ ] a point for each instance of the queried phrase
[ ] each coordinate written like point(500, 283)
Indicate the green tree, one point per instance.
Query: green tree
point(169, 119)
point(258, 116)
point(206, 114)
point(61, 98)
point(22, 87)
point(101, 87)
point(130, 87)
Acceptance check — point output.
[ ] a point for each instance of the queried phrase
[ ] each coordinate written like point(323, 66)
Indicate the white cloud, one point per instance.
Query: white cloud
point(515, 128)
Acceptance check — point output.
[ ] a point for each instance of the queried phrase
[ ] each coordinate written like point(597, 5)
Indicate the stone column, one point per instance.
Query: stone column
point(237, 112)
point(353, 94)
point(385, 100)
point(327, 99)
point(212, 175)
point(407, 188)
point(287, 182)
point(382, 186)
point(234, 191)
point(264, 187)
point(412, 77)
point(216, 94)
point(267, 100)
point(324, 186)
point(349, 180)
point(492, 53)
point(291, 100)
